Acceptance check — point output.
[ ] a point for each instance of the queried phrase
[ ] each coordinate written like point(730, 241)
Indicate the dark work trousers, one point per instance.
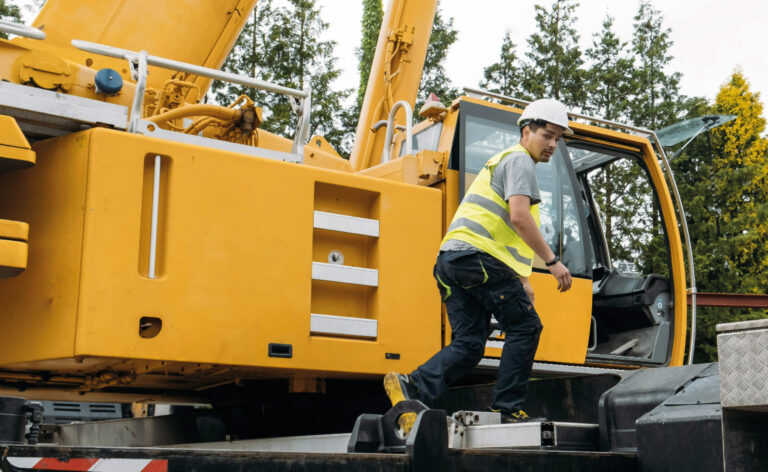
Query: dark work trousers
point(473, 286)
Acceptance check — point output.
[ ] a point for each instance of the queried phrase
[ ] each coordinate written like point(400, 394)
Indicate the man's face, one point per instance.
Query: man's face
point(541, 144)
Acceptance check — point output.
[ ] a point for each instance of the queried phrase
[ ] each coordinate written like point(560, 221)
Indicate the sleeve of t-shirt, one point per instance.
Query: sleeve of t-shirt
point(520, 178)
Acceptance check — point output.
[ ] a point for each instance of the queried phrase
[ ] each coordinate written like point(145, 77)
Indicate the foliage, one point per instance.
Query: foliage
point(503, 77)
point(373, 14)
point(608, 80)
point(281, 44)
point(722, 179)
point(9, 12)
point(722, 175)
point(371, 25)
point(433, 76)
point(553, 68)
point(656, 102)
point(608, 85)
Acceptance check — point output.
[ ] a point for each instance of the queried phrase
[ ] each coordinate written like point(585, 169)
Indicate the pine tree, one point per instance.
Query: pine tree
point(655, 103)
point(433, 77)
point(607, 83)
point(608, 80)
point(724, 181)
point(503, 77)
point(553, 68)
point(657, 100)
point(373, 14)
point(740, 171)
point(281, 45)
point(246, 58)
point(9, 12)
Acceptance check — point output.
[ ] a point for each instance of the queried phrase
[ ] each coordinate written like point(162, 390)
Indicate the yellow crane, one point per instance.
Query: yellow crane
point(156, 247)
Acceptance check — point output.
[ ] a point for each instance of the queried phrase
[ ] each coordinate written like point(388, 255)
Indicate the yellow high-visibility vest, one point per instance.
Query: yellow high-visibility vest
point(482, 220)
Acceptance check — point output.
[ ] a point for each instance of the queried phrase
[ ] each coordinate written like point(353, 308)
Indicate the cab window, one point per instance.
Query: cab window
point(486, 131)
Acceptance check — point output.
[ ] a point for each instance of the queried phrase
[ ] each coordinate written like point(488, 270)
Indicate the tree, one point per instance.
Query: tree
point(656, 102)
point(9, 12)
point(373, 15)
point(620, 188)
point(433, 77)
point(724, 182)
point(503, 77)
point(246, 57)
point(281, 44)
point(741, 184)
point(608, 80)
point(553, 68)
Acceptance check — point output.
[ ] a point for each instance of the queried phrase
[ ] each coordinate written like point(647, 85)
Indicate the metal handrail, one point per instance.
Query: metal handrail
point(140, 60)
point(391, 129)
point(139, 70)
point(19, 29)
point(670, 176)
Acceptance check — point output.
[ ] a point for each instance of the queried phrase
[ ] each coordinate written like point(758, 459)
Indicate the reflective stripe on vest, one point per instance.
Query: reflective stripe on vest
point(482, 220)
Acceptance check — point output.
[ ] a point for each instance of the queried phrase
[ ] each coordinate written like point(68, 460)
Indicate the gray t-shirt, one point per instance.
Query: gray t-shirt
point(514, 175)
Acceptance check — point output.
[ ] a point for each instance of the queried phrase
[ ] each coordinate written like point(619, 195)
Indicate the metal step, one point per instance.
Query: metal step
point(484, 430)
point(574, 436)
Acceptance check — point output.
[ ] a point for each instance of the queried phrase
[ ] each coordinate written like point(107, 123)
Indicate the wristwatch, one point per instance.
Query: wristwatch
point(553, 261)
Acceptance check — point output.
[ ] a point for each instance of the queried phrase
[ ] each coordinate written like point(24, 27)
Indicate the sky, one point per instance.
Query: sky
point(711, 38)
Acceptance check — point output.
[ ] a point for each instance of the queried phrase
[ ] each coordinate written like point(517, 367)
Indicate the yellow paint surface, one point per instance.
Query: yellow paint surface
point(235, 250)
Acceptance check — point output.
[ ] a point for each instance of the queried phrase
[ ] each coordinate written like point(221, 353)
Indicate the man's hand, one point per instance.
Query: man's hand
point(563, 276)
point(528, 289)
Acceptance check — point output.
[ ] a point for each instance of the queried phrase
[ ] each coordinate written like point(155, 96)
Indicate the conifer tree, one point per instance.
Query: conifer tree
point(503, 77)
point(607, 83)
point(246, 57)
point(740, 184)
point(728, 209)
point(433, 77)
point(281, 44)
point(553, 68)
point(656, 102)
point(608, 79)
point(373, 14)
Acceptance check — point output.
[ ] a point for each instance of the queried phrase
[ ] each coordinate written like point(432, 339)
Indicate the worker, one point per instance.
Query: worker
point(483, 267)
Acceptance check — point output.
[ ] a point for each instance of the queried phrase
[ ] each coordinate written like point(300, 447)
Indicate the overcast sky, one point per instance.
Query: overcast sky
point(711, 37)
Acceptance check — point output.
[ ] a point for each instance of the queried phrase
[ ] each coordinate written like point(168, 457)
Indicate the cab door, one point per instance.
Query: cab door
point(486, 129)
point(634, 316)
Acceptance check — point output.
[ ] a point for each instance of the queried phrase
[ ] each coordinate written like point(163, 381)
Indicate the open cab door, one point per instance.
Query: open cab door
point(607, 212)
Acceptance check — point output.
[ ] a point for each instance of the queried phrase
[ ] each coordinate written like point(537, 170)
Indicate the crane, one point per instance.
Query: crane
point(176, 248)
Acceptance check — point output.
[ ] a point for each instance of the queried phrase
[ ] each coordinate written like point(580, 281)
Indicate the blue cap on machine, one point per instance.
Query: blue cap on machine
point(108, 81)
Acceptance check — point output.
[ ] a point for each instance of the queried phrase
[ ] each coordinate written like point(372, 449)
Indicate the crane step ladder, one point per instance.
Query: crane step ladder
point(465, 430)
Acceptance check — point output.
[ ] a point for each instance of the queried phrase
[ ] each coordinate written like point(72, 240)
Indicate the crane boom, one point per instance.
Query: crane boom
point(395, 73)
point(198, 32)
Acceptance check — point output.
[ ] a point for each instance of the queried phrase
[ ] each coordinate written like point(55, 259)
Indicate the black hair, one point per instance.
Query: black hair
point(534, 125)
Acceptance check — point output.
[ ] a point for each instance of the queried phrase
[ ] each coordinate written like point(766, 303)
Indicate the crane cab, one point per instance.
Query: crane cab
point(607, 212)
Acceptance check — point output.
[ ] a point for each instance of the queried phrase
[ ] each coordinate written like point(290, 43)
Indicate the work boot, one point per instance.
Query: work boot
point(518, 416)
point(399, 388)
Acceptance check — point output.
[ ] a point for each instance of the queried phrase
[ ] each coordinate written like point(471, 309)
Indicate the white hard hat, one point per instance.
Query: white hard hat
point(546, 109)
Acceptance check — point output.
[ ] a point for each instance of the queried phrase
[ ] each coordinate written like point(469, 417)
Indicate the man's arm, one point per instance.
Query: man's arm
point(525, 225)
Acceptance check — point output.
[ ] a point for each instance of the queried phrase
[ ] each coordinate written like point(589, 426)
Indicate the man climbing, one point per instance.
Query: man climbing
point(483, 267)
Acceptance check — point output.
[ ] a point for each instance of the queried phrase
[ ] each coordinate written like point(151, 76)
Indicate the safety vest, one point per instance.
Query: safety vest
point(482, 220)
